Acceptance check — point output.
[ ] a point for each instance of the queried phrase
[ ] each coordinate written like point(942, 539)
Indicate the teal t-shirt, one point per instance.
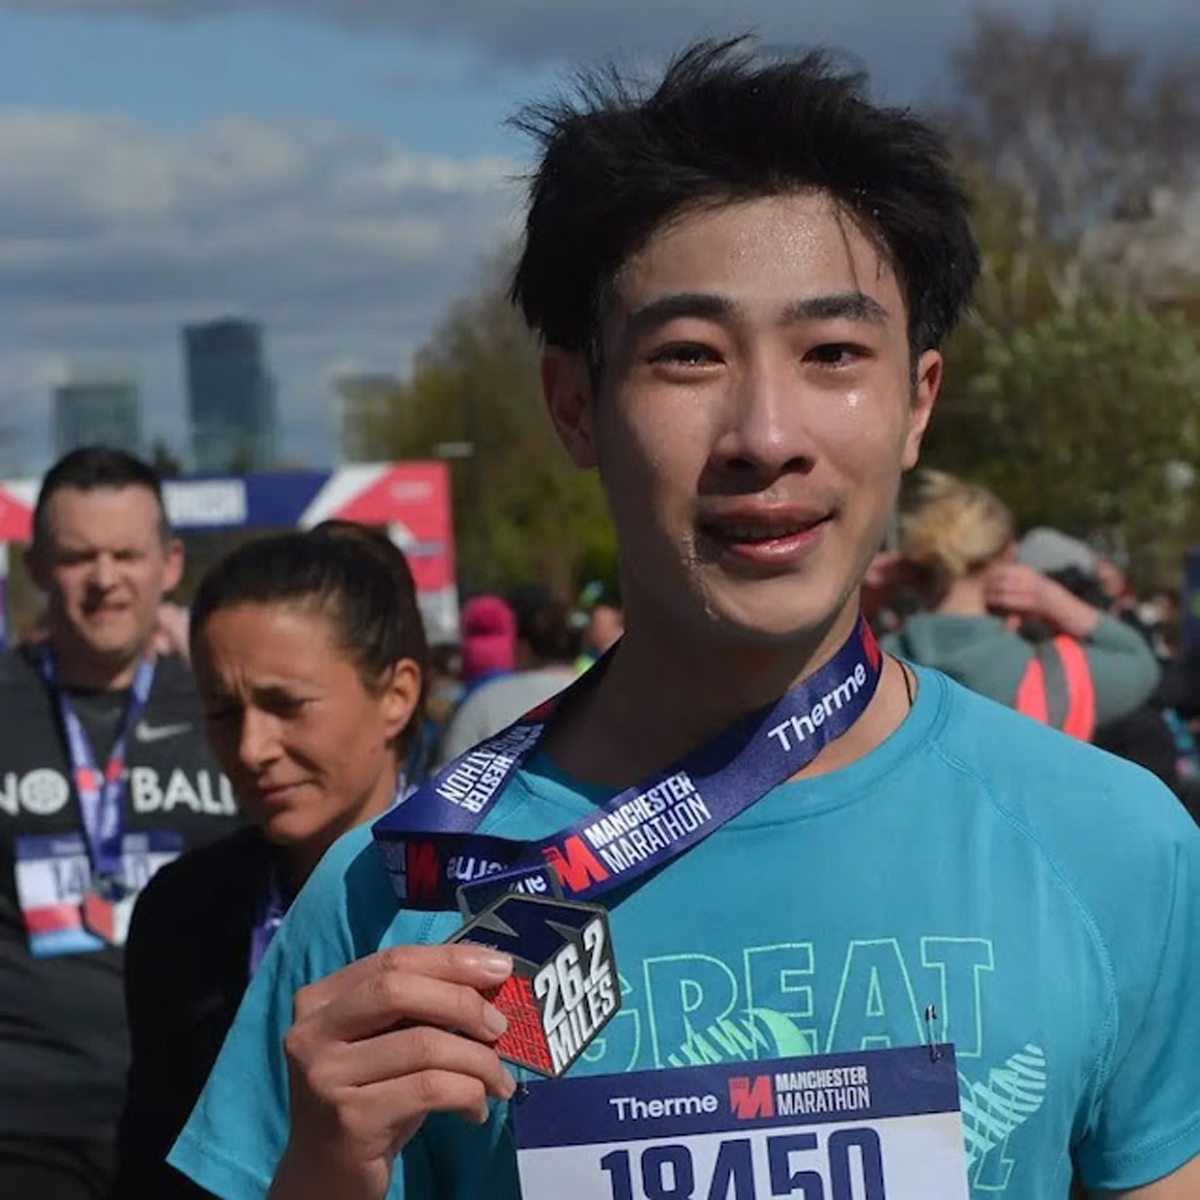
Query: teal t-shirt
point(1043, 895)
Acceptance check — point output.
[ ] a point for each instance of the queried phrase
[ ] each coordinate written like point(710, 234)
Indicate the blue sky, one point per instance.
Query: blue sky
point(338, 169)
point(178, 76)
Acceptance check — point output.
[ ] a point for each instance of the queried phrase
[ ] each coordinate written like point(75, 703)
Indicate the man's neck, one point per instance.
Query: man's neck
point(660, 698)
point(80, 670)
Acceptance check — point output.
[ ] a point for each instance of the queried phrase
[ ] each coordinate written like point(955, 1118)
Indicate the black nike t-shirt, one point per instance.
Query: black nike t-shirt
point(63, 1043)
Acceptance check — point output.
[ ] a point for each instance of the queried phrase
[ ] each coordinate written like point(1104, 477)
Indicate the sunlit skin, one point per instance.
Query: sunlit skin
point(104, 566)
point(756, 407)
point(308, 747)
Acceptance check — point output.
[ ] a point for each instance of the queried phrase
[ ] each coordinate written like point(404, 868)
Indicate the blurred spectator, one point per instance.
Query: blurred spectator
point(489, 640)
point(606, 625)
point(958, 550)
point(545, 654)
point(91, 716)
point(330, 613)
point(170, 630)
point(1143, 735)
point(443, 693)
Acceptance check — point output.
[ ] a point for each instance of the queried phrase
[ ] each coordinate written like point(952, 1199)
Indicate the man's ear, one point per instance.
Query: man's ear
point(924, 395)
point(567, 390)
point(174, 570)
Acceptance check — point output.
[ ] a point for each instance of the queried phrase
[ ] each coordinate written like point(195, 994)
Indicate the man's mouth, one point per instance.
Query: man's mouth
point(736, 531)
point(776, 536)
point(103, 611)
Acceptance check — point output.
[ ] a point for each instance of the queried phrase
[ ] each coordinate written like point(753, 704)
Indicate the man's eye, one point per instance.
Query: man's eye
point(835, 354)
point(688, 354)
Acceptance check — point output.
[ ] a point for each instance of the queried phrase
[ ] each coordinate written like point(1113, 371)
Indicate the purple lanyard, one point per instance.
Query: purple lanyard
point(272, 908)
point(100, 794)
point(431, 848)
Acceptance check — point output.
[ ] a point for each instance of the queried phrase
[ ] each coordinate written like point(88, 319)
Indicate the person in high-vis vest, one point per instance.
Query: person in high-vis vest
point(958, 546)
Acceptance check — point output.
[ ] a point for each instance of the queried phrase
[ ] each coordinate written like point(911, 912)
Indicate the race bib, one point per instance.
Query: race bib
point(63, 913)
point(877, 1125)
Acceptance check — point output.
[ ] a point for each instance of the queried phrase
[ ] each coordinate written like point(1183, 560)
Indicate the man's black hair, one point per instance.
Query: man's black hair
point(93, 467)
point(725, 126)
point(355, 577)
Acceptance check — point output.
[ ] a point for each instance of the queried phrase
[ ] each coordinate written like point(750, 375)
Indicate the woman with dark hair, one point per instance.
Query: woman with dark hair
point(310, 658)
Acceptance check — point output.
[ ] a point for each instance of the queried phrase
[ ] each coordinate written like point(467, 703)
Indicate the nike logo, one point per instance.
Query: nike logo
point(158, 733)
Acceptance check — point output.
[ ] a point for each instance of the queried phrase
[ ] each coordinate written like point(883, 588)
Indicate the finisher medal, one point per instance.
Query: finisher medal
point(563, 989)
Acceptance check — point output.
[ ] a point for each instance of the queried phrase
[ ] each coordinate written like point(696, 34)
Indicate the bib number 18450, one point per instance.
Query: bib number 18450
point(853, 1169)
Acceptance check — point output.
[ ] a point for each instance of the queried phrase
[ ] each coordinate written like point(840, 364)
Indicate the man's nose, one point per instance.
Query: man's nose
point(104, 571)
point(767, 431)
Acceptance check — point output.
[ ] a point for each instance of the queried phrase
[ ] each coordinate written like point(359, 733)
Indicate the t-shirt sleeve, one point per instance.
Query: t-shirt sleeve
point(1146, 1120)
point(238, 1130)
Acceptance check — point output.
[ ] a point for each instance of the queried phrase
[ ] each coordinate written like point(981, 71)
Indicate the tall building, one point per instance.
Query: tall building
point(231, 398)
point(364, 405)
point(98, 408)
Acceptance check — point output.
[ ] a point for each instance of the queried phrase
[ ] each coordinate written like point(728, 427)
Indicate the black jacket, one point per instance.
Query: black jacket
point(63, 1048)
point(186, 969)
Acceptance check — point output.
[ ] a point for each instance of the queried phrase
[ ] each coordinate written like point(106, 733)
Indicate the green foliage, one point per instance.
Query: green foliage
point(1087, 420)
point(1074, 401)
point(523, 511)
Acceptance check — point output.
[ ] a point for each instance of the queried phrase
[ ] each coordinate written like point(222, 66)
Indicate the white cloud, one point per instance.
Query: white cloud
point(524, 31)
point(113, 235)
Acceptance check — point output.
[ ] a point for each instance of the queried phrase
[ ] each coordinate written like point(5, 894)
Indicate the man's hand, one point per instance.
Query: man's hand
point(377, 1047)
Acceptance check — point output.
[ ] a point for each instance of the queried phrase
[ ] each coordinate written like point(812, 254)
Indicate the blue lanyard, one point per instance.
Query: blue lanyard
point(272, 908)
point(431, 848)
point(100, 794)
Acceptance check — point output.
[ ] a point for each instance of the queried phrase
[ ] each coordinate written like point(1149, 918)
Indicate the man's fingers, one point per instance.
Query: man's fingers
point(408, 1100)
point(420, 1049)
point(390, 998)
point(475, 966)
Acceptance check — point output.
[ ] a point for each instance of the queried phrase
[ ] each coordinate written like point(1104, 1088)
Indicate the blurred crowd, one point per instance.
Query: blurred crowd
point(1043, 622)
point(299, 698)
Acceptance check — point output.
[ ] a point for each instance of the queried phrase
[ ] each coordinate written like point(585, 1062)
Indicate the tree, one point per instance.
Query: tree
point(1064, 393)
point(522, 510)
point(1081, 132)
point(1089, 423)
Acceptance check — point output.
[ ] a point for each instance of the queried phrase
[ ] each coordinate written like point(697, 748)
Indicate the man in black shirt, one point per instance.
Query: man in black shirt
point(104, 777)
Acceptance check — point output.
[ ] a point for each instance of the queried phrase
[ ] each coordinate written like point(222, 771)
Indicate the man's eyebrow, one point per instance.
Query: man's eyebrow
point(850, 306)
point(676, 304)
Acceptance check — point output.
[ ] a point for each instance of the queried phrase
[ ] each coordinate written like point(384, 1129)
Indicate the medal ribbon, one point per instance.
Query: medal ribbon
point(99, 794)
point(431, 848)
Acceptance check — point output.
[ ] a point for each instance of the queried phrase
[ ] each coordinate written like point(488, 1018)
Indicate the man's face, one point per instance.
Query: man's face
point(756, 409)
point(104, 568)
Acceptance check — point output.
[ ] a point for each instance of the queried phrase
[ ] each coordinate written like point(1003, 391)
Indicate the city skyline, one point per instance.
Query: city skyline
point(99, 405)
point(232, 414)
point(345, 208)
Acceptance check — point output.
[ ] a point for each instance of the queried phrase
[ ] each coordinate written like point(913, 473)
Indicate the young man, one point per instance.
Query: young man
point(742, 282)
point(104, 776)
